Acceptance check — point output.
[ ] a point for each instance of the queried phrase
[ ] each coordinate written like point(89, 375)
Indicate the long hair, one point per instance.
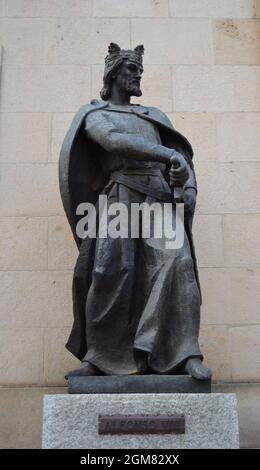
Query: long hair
point(106, 90)
point(108, 78)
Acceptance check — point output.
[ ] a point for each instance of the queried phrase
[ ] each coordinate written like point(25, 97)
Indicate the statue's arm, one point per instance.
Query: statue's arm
point(191, 183)
point(100, 128)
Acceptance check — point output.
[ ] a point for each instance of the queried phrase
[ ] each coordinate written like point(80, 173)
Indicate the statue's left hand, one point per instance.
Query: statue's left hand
point(189, 198)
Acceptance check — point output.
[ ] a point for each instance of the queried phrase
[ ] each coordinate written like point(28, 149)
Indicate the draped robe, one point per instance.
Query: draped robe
point(136, 303)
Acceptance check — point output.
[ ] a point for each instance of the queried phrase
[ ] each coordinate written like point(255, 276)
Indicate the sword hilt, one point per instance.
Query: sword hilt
point(177, 194)
point(177, 191)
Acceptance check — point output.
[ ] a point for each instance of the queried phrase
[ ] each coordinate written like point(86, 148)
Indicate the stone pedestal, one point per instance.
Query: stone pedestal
point(71, 421)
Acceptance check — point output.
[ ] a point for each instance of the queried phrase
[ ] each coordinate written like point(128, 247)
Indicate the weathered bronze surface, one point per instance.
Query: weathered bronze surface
point(138, 384)
point(136, 304)
point(141, 424)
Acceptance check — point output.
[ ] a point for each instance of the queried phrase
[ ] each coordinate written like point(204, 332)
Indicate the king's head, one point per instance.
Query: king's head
point(123, 71)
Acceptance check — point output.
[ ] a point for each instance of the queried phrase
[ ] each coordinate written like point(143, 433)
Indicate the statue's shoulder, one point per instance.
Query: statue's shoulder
point(78, 122)
point(160, 116)
point(83, 112)
point(94, 105)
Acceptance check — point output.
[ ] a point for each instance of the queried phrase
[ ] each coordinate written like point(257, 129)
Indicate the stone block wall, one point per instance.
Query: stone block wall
point(202, 62)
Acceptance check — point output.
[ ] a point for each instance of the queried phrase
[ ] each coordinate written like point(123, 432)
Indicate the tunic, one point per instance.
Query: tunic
point(142, 308)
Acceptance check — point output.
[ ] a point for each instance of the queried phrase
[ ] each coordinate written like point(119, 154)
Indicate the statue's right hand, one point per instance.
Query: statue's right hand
point(179, 172)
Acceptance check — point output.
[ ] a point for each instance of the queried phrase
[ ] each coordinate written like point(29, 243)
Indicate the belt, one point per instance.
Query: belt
point(140, 171)
point(124, 177)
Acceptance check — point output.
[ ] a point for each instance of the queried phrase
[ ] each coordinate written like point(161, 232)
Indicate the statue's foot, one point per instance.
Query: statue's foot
point(84, 370)
point(196, 369)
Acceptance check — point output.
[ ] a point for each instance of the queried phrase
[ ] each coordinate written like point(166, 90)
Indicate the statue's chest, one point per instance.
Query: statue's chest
point(130, 123)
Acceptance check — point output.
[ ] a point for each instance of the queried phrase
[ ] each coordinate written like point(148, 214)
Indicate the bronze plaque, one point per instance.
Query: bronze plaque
point(141, 424)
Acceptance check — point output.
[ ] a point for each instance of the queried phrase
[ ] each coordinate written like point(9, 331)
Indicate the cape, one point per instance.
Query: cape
point(82, 179)
point(81, 175)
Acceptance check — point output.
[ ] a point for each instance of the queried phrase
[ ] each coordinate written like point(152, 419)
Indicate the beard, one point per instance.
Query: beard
point(130, 86)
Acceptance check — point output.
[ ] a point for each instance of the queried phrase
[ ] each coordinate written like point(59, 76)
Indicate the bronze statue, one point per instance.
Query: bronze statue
point(136, 303)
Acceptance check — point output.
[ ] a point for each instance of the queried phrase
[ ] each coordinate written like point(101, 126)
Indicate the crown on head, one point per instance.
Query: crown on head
point(115, 53)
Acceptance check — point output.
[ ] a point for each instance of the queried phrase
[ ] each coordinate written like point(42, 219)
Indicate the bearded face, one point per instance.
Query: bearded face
point(128, 78)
